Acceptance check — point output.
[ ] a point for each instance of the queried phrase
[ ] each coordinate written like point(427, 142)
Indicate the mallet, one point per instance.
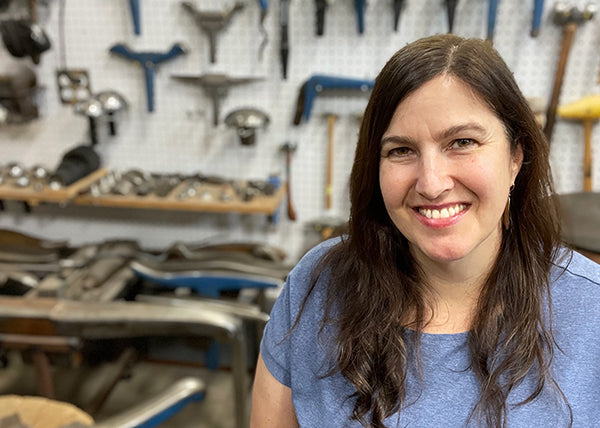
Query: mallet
point(587, 110)
point(570, 19)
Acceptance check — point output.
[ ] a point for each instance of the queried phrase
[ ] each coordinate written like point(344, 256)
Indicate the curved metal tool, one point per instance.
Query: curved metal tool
point(316, 84)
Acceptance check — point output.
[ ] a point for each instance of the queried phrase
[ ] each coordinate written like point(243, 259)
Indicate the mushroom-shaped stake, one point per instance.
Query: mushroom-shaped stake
point(112, 102)
point(247, 121)
point(587, 110)
point(92, 109)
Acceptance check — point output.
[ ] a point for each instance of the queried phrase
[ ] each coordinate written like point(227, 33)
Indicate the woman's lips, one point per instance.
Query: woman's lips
point(441, 216)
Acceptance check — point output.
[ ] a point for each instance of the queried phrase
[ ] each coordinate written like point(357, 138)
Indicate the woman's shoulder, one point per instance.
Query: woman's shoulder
point(572, 266)
point(309, 261)
point(576, 282)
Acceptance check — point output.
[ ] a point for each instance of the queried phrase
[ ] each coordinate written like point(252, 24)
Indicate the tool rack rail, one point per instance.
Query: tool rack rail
point(78, 194)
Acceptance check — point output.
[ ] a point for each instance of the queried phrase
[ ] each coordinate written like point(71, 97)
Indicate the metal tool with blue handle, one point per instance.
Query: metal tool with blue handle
point(134, 5)
point(264, 9)
point(148, 61)
point(360, 6)
point(538, 10)
point(492, 11)
point(319, 82)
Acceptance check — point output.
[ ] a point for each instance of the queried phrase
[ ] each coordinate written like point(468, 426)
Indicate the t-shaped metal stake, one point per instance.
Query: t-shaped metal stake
point(148, 61)
point(212, 22)
point(216, 86)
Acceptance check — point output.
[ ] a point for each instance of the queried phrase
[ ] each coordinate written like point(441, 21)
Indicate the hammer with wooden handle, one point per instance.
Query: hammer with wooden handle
point(288, 149)
point(570, 18)
point(331, 118)
point(587, 110)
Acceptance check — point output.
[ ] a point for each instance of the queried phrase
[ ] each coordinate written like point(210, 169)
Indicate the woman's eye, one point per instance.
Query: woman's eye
point(399, 151)
point(463, 143)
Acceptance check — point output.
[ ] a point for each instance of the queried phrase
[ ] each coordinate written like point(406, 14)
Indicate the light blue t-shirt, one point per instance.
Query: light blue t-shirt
point(449, 390)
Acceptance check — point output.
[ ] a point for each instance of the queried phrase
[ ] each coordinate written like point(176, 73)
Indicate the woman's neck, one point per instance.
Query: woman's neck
point(454, 292)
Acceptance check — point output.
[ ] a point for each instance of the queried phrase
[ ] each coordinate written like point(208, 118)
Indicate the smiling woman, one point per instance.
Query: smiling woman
point(450, 302)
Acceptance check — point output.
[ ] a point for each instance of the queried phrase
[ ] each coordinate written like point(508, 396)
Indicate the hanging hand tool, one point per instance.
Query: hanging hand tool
point(216, 87)
point(538, 10)
point(288, 149)
point(331, 118)
point(587, 110)
point(359, 6)
point(398, 6)
point(148, 61)
point(451, 7)
point(111, 102)
point(264, 9)
point(284, 48)
point(318, 83)
point(134, 6)
point(92, 109)
point(321, 8)
point(492, 12)
point(211, 23)
point(570, 19)
point(246, 121)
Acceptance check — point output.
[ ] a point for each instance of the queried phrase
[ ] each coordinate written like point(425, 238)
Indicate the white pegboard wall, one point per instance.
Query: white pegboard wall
point(179, 137)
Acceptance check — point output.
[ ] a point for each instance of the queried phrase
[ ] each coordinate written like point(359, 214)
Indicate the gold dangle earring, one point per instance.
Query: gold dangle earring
point(506, 214)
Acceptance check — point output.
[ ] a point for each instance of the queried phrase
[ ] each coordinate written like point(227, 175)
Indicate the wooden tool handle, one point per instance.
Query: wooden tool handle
point(587, 155)
point(567, 41)
point(328, 190)
point(291, 212)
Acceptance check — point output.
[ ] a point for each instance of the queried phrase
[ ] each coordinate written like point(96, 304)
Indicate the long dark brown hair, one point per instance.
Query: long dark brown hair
point(375, 282)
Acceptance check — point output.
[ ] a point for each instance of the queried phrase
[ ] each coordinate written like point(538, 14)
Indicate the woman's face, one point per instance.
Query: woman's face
point(445, 172)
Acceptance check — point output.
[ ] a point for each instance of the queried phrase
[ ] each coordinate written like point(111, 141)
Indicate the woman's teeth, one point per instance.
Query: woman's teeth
point(444, 212)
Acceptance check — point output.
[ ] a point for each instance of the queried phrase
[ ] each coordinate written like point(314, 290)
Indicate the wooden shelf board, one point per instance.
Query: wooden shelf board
point(47, 194)
point(259, 205)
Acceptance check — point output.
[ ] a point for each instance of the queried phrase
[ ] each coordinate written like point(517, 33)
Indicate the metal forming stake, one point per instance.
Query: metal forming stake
point(216, 87)
point(148, 61)
point(211, 23)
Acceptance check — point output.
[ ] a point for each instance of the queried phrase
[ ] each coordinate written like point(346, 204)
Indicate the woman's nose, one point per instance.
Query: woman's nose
point(433, 176)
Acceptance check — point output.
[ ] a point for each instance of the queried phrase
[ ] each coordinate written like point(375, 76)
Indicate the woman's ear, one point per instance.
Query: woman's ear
point(517, 161)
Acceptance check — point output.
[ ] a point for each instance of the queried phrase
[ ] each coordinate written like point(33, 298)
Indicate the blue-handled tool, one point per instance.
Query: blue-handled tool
point(148, 61)
point(451, 7)
point(316, 84)
point(538, 10)
point(134, 5)
point(398, 6)
point(492, 11)
point(360, 6)
point(264, 10)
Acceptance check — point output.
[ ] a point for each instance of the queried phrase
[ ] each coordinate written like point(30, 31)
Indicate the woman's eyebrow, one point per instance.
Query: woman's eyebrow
point(444, 134)
point(397, 139)
point(457, 129)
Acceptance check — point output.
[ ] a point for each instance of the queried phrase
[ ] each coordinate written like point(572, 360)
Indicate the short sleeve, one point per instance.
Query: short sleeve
point(275, 345)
